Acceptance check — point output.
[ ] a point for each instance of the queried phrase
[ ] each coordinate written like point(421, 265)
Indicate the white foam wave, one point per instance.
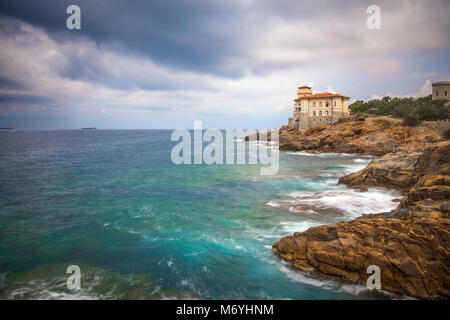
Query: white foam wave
point(350, 168)
point(273, 204)
point(48, 290)
point(359, 289)
point(296, 226)
point(296, 276)
point(360, 160)
point(307, 211)
point(352, 289)
point(55, 295)
point(321, 155)
point(352, 202)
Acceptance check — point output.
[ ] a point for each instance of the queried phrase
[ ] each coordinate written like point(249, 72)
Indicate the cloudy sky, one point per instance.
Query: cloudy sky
point(164, 64)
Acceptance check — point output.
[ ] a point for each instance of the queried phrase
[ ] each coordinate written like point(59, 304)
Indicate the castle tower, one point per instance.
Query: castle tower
point(312, 110)
point(304, 91)
point(441, 90)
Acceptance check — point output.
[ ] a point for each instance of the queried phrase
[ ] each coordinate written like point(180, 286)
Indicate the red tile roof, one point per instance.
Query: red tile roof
point(321, 95)
point(304, 87)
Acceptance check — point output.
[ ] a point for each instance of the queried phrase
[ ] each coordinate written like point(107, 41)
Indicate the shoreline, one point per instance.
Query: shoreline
point(409, 243)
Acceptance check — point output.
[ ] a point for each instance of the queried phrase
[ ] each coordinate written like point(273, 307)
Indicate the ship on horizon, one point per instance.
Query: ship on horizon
point(89, 128)
point(8, 129)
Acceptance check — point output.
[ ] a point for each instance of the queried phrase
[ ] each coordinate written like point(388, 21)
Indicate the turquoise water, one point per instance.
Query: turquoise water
point(139, 227)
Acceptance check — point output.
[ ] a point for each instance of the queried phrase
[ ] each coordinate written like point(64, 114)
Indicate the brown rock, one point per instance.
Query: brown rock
point(411, 244)
point(413, 261)
point(369, 137)
point(393, 170)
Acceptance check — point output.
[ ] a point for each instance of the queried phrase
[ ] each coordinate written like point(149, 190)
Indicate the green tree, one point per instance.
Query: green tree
point(411, 119)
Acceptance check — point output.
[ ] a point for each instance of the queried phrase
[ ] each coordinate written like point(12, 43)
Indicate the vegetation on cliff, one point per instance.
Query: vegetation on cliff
point(411, 110)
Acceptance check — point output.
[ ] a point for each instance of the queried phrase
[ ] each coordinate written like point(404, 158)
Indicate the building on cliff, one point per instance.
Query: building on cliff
point(312, 110)
point(441, 90)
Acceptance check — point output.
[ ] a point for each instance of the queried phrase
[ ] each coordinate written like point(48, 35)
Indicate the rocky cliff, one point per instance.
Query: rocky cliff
point(373, 137)
point(410, 244)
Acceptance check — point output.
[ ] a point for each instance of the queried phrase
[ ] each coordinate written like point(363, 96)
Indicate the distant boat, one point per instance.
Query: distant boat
point(9, 129)
point(89, 128)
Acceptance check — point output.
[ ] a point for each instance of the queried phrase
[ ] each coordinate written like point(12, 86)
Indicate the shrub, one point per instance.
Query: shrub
point(358, 107)
point(409, 109)
point(411, 119)
point(447, 134)
point(401, 110)
point(426, 113)
point(385, 123)
point(440, 109)
point(342, 120)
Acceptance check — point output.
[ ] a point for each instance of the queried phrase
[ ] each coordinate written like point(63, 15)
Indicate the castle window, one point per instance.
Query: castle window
point(314, 112)
point(445, 93)
point(320, 104)
point(335, 103)
point(327, 112)
point(320, 112)
point(314, 104)
point(436, 93)
point(326, 104)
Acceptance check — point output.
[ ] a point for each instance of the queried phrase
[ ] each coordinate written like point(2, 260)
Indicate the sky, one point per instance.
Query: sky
point(232, 64)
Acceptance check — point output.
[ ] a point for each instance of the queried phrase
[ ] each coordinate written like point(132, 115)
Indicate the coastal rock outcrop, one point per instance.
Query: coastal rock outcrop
point(411, 247)
point(410, 244)
point(393, 170)
point(403, 170)
point(372, 137)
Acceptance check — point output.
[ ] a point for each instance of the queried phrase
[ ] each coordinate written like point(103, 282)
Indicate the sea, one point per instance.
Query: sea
point(138, 226)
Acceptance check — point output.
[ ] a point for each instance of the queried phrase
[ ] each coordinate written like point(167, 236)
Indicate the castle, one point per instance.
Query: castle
point(441, 90)
point(312, 110)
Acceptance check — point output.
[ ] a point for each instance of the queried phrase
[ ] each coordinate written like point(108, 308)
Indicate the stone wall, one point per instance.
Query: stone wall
point(441, 90)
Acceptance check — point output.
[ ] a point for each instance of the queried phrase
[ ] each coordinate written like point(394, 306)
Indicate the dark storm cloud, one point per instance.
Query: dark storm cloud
point(6, 99)
point(184, 58)
point(197, 35)
point(206, 36)
point(10, 84)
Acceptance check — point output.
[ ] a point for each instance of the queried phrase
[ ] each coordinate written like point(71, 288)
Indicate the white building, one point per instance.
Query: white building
point(312, 110)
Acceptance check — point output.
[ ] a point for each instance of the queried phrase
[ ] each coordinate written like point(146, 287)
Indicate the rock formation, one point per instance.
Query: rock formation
point(411, 244)
point(371, 137)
